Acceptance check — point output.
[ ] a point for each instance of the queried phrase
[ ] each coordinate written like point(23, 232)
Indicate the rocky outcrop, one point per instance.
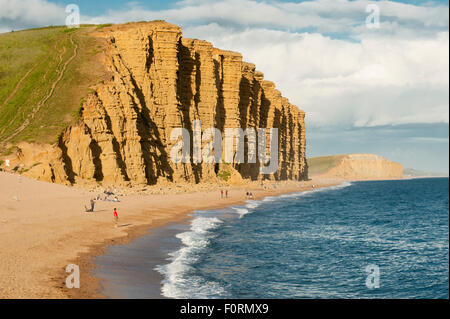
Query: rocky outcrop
point(358, 167)
point(161, 81)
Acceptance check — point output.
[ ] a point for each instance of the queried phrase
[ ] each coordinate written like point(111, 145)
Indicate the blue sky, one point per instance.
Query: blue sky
point(101, 6)
point(382, 90)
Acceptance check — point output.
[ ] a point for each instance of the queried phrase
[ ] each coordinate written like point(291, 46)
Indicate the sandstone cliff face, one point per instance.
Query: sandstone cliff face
point(160, 81)
point(365, 166)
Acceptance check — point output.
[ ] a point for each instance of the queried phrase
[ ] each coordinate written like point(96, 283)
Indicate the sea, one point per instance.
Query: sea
point(369, 239)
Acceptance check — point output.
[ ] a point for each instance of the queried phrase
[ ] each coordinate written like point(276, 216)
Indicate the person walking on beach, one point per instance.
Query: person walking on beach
point(116, 218)
point(221, 193)
point(226, 193)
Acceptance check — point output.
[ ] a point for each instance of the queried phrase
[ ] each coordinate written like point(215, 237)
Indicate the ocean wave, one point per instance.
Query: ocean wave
point(293, 194)
point(328, 188)
point(341, 185)
point(252, 204)
point(179, 279)
point(241, 211)
point(303, 193)
point(334, 187)
point(249, 207)
point(270, 198)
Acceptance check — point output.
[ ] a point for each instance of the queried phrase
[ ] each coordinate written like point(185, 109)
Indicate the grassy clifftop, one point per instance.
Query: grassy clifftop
point(322, 164)
point(355, 167)
point(44, 74)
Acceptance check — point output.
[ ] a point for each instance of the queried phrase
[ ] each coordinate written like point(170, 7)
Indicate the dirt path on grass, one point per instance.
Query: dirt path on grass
point(52, 89)
point(17, 86)
point(22, 114)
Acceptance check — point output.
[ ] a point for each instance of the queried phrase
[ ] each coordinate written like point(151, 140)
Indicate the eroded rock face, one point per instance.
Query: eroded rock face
point(160, 81)
point(365, 166)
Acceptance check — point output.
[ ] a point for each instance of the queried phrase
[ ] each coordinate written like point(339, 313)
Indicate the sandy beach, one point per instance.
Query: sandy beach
point(44, 228)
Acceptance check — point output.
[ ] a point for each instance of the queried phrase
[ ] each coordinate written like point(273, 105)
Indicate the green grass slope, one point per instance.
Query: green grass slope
point(44, 74)
point(322, 164)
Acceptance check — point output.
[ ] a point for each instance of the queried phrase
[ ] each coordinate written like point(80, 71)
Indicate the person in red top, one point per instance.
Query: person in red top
point(221, 193)
point(116, 217)
point(226, 193)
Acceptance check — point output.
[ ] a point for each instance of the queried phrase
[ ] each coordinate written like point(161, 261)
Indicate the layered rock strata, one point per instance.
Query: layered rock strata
point(364, 167)
point(161, 81)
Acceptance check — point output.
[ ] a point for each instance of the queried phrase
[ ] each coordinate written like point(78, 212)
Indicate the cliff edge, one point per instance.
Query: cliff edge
point(156, 81)
point(354, 167)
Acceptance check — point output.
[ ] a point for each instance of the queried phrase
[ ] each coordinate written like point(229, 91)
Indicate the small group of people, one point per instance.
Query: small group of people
point(222, 192)
point(106, 198)
point(115, 214)
point(93, 200)
point(109, 191)
point(248, 195)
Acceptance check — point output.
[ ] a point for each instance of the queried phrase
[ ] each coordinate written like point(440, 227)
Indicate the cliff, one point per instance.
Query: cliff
point(157, 81)
point(354, 167)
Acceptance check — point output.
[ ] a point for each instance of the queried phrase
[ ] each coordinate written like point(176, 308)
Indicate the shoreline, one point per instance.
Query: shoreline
point(87, 260)
point(44, 227)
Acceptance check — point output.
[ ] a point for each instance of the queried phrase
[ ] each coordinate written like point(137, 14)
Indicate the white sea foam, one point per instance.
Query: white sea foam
point(292, 194)
point(252, 204)
point(269, 198)
point(178, 281)
point(303, 193)
point(241, 211)
point(329, 188)
point(341, 185)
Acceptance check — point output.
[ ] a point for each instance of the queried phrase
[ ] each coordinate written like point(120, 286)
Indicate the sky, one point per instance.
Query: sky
point(366, 88)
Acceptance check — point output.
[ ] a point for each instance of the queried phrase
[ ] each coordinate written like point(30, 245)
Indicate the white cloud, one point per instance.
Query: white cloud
point(319, 53)
point(329, 16)
point(430, 139)
point(21, 14)
point(373, 82)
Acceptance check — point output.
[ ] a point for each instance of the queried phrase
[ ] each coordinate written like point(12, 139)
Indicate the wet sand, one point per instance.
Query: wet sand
point(44, 228)
point(135, 276)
